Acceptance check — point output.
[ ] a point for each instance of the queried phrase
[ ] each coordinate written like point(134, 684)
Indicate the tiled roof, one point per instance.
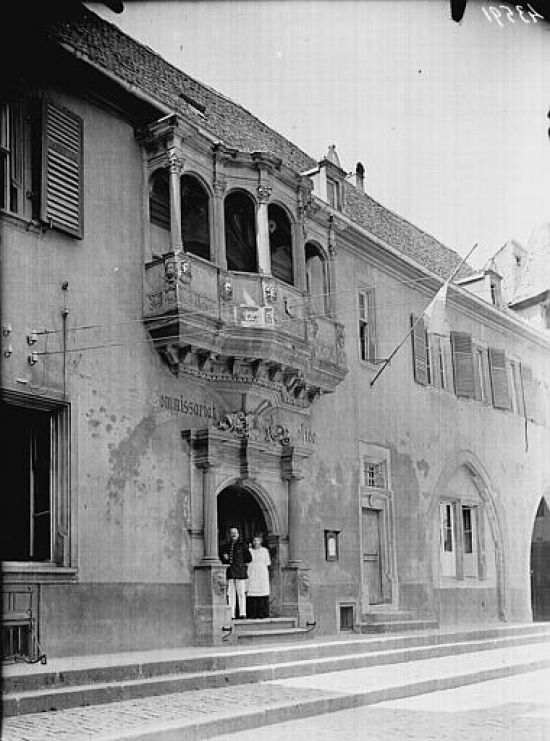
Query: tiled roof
point(111, 49)
point(535, 277)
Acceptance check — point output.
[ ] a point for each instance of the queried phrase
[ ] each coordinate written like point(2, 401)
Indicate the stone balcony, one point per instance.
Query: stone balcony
point(241, 327)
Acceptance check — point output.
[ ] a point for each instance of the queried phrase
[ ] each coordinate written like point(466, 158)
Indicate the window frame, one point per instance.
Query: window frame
point(60, 563)
point(332, 536)
point(366, 322)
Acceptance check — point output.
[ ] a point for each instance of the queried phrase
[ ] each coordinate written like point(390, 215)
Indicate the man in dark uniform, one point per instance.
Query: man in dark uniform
point(236, 554)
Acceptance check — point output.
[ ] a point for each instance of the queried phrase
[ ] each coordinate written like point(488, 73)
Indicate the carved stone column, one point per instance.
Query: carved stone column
point(175, 167)
point(293, 481)
point(212, 614)
point(332, 249)
point(262, 231)
point(218, 218)
point(296, 588)
point(210, 516)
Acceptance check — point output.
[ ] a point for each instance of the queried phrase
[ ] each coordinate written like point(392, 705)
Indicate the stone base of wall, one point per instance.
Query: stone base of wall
point(464, 605)
point(79, 619)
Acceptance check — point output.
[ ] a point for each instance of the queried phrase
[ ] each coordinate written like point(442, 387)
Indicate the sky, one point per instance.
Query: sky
point(449, 120)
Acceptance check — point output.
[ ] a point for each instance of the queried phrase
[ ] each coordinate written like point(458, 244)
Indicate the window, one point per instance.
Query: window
point(367, 338)
point(42, 181)
point(439, 363)
point(346, 617)
point(159, 199)
point(11, 157)
point(240, 232)
point(35, 449)
point(331, 545)
point(317, 279)
point(374, 474)
point(480, 374)
point(333, 193)
point(499, 379)
point(195, 222)
point(280, 243)
point(447, 539)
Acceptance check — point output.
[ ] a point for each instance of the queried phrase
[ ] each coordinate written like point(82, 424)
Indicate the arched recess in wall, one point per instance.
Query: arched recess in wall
point(195, 222)
point(240, 232)
point(466, 540)
point(159, 199)
point(539, 565)
point(317, 278)
point(280, 243)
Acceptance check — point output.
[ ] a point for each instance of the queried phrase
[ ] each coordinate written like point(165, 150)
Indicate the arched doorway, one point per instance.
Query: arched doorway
point(243, 508)
point(540, 563)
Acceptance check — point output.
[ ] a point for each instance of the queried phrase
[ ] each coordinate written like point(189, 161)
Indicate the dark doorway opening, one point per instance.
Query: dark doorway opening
point(237, 507)
point(540, 563)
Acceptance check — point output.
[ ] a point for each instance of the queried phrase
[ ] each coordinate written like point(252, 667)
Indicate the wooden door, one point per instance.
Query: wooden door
point(372, 571)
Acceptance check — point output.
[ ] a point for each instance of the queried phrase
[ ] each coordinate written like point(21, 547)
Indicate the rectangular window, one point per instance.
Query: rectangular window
point(11, 157)
point(34, 520)
point(499, 379)
point(447, 539)
point(480, 374)
point(367, 337)
point(374, 474)
point(333, 193)
point(331, 545)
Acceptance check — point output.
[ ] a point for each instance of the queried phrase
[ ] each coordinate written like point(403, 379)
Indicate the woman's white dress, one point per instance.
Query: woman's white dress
point(258, 574)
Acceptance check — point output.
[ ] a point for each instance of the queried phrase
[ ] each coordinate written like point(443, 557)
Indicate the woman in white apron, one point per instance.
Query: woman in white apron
point(257, 599)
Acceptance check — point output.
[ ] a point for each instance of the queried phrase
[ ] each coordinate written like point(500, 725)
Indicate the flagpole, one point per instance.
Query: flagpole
point(413, 326)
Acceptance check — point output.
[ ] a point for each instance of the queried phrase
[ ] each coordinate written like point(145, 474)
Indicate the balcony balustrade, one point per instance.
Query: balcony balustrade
point(211, 320)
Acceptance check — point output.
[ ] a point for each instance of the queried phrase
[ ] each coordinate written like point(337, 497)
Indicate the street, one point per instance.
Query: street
point(511, 709)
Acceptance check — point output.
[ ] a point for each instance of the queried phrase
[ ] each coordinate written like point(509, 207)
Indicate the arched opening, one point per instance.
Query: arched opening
point(316, 278)
point(240, 232)
point(238, 507)
point(467, 548)
point(540, 563)
point(280, 243)
point(195, 224)
point(159, 199)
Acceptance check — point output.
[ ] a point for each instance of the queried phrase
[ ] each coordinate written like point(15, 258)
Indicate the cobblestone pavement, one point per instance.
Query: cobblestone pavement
point(512, 709)
point(99, 721)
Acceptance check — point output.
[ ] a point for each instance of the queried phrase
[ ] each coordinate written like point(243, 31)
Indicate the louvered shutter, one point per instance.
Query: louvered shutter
point(61, 196)
point(419, 351)
point(463, 364)
point(499, 379)
point(528, 388)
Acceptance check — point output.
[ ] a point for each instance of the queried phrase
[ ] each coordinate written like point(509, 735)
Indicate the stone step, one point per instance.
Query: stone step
point(70, 671)
point(272, 635)
point(386, 616)
point(62, 691)
point(213, 712)
point(249, 625)
point(397, 626)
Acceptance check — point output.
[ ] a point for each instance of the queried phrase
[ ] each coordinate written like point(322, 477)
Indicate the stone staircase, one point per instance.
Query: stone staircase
point(269, 630)
point(95, 680)
point(393, 621)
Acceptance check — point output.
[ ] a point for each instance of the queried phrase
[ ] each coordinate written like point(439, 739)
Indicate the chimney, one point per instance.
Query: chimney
point(360, 177)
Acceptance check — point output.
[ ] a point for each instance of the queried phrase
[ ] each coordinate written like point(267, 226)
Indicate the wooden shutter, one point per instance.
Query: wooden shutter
point(61, 196)
point(419, 351)
point(463, 364)
point(499, 379)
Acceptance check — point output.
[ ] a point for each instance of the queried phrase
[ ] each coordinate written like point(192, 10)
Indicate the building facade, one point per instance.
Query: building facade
point(193, 314)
